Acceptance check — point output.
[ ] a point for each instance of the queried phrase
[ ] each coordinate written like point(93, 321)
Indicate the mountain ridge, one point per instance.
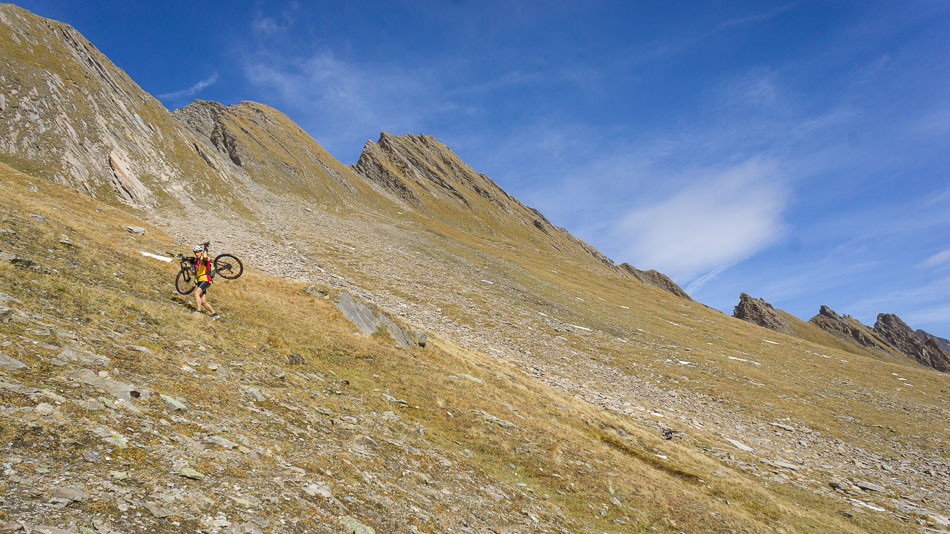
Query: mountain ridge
point(889, 338)
point(541, 402)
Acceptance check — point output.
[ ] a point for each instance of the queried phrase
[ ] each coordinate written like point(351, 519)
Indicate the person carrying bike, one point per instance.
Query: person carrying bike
point(203, 273)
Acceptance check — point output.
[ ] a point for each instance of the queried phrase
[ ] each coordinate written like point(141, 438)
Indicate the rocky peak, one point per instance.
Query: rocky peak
point(942, 342)
point(923, 349)
point(762, 313)
point(847, 328)
point(415, 165)
point(656, 279)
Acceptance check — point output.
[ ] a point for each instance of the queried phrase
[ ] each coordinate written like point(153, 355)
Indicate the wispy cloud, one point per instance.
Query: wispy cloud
point(191, 91)
point(709, 226)
point(342, 100)
point(756, 18)
point(936, 260)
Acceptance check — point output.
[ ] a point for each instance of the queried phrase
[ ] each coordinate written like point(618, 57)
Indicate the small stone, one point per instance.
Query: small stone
point(11, 364)
point(222, 442)
point(157, 510)
point(173, 404)
point(471, 378)
point(143, 350)
point(38, 217)
point(256, 393)
point(188, 472)
point(68, 495)
point(366, 441)
point(868, 486)
point(242, 501)
point(352, 526)
point(91, 405)
point(741, 446)
point(316, 489)
point(137, 230)
point(786, 465)
point(52, 530)
point(44, 408)
point(118, 440)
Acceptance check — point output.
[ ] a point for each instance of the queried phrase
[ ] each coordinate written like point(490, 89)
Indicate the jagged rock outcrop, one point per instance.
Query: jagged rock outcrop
point(656, 279)
point(942, 342)
point(762, 313)
point(848, 329)
point(923, 349)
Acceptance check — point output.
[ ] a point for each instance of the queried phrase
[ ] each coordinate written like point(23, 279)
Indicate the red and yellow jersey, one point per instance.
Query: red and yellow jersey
point(202, 270)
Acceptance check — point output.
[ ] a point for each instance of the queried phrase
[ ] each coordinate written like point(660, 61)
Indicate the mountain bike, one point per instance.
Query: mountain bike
point(226, 265)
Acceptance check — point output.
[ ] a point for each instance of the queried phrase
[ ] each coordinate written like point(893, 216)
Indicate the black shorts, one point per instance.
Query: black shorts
point(203, 286)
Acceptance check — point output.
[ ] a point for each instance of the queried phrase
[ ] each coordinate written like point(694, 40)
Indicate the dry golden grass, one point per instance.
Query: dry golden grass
point(567, 453)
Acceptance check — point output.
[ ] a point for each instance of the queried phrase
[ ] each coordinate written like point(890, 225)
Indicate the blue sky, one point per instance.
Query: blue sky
point(797, 151)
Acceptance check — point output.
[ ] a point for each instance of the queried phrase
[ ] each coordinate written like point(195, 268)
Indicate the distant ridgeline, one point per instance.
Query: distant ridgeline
point(890, 338)
point(67, 113)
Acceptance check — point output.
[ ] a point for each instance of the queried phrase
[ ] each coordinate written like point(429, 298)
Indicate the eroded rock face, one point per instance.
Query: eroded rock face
point(942, 342)
point(127, 187)
point(656, 279)
point(923, 349)
point(847, 329)
point(762, 313)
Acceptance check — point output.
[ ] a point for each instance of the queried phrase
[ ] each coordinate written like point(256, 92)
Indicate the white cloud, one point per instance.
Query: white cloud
point(709, 226)
point(937, 259)
point(343, 103)
point(191, 91)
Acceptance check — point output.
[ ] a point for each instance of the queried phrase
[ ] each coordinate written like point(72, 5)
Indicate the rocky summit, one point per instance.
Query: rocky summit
point(921, 348)
point(849, 329)
point(410, 348)
point(759, 312)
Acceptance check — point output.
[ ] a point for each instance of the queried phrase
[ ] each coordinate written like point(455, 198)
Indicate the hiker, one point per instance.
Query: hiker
point(203, 273)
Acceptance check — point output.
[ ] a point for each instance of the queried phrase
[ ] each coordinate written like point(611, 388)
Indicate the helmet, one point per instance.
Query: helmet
point(198, 248)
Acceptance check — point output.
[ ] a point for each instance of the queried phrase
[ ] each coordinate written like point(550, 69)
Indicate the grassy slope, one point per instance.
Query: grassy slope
point(568, 453)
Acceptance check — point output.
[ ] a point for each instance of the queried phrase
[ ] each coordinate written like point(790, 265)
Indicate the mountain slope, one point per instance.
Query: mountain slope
point(774, 419)
point(133, 414)
point(70, 115)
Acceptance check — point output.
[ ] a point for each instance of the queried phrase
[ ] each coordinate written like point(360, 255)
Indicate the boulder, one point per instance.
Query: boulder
point(420, 336)
point(759, 312)
point(369, 319)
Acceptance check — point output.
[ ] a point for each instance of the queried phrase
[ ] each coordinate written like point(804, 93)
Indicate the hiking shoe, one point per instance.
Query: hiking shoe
point(215, 317)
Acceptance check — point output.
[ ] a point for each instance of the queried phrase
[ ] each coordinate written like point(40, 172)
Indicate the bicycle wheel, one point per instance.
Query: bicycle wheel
point(183, 282)
point(228, 266)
